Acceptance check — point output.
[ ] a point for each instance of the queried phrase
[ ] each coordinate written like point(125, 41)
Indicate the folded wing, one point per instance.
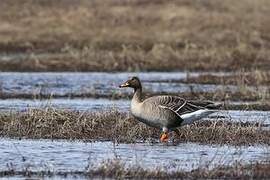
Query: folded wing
point(181, 106)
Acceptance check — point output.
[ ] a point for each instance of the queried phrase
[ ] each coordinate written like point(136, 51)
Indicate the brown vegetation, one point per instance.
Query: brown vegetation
point(120, 127)
point(132, 35)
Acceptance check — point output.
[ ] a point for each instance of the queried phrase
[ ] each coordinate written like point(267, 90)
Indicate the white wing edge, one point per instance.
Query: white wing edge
point(189, 118)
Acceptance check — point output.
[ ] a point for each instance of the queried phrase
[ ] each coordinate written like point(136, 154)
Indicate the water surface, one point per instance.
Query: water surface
point(97, 83)
point(63, 156)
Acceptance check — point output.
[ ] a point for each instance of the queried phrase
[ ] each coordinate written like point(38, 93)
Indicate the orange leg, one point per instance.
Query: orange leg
point(164, 137)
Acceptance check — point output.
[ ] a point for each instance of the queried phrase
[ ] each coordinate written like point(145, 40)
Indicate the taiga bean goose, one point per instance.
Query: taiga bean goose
point(166, 112)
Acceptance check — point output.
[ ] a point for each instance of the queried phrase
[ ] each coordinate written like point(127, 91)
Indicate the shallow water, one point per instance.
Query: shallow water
point(66, 156)
point(72, 83)
point(79, 84)
point(262, 117)
point(86, 104)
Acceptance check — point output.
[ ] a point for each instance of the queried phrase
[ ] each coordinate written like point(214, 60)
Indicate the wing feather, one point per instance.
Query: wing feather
point(178, 105)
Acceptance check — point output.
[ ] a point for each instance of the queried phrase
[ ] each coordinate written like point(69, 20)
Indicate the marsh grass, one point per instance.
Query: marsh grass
point(120, 127)
point(116, 35)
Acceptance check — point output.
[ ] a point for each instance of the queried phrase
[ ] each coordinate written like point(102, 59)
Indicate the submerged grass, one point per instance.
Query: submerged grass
point(117, 35)
point(121, 127)
point(251, 78)
point(117, 169)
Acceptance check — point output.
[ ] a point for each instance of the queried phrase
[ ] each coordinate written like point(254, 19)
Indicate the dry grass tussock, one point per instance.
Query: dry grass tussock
point(120, 127)
point(135, 35)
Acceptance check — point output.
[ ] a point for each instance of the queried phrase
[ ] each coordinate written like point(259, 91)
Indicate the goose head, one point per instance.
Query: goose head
point(133, 82)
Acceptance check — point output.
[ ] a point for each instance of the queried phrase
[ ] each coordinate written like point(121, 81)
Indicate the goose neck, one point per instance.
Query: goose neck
point(137, 95)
